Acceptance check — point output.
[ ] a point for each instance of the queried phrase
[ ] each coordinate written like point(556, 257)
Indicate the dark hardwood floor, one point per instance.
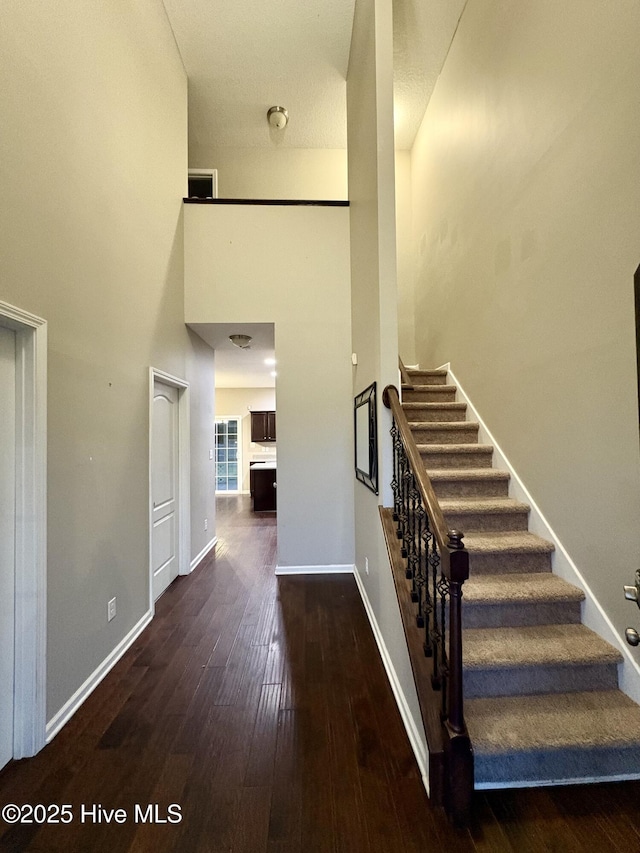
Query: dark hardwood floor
point(261, 708)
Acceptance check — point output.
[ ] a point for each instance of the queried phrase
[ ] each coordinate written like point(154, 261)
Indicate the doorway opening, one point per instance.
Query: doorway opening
point(245, 391)
point(23, 465)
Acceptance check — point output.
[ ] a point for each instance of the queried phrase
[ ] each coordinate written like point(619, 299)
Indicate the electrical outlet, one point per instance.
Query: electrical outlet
point(111, 609)
point(366, 565)
point(206, 524)
point(210, 453)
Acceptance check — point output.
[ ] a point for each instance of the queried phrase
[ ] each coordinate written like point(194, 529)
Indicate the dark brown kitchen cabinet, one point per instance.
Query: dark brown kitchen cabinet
point(263, 426)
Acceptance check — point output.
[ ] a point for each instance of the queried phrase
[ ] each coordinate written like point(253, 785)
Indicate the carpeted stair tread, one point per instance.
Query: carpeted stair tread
point(434, 407)
point(444, 432)
point(588, 720)
point(429, 393)
point(482, 505)
point(474, 513)
point(466, 482)
point(461, 449)
point(437, 389)
point(507, 552)
point(456, 456)
point(438, 475)
point(533, 588)
point(518, 599)
point(426, 377)
point(451, 425)
point(507, 542)
point(556, 645)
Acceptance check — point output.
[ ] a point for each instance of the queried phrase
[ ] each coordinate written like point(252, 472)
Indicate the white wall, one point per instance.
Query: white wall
point(406, 259)
point(526, 205)
point(290, 265)
point(200, 371)
point(243, 401)
point(93, 157)
point(302, 173)
point(374, 307)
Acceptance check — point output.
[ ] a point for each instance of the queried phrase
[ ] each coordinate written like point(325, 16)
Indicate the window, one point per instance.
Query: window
point(227, 450)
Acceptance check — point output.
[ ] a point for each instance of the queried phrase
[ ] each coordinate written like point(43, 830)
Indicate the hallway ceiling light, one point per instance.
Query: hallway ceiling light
point(277, 117)
point(242, 341)
point(269, 361)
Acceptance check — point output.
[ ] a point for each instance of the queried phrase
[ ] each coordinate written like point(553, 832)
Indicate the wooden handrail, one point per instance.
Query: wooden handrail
point(404, 376)
point(391, 399)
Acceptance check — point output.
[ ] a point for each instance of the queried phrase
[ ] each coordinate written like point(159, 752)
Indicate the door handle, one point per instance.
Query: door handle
point(632, 636)
point(632, 593)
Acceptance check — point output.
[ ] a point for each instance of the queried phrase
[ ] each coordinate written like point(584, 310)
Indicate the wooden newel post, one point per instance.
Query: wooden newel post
point(458, 574)
point(459, 750)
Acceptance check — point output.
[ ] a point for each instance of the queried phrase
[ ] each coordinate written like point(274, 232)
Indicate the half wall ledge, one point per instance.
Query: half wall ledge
point(281, 201)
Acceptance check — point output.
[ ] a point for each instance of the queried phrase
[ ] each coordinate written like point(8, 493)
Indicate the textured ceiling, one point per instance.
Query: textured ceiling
point(243, 57)
point(422, 34)
point(235, 367)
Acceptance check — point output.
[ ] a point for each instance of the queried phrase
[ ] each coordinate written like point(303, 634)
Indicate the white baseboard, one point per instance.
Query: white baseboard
point(346, 569)
point(412, 728)
point(593, 615)
point(200, 557)
point(85, 690)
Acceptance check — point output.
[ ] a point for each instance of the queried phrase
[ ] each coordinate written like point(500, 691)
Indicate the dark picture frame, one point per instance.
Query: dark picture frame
point(365, 428)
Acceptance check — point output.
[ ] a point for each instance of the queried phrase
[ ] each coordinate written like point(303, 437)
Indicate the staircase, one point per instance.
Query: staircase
point(542, 703)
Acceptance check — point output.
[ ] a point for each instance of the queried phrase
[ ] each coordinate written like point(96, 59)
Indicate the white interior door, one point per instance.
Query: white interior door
point(7, 538)
point(164, 486)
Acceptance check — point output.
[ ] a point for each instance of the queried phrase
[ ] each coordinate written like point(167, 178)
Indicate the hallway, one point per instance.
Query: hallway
point(260, 707)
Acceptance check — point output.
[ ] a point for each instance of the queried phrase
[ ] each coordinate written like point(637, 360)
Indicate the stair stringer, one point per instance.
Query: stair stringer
point(593, 614)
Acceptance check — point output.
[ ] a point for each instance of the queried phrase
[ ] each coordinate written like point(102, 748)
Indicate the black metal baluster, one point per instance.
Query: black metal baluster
point(436, 632)
point(406, 478)
point(412, 557)
point(419, 580)
point(401, 464)
point(443, 596)
point(428, 605)
point(396, 443)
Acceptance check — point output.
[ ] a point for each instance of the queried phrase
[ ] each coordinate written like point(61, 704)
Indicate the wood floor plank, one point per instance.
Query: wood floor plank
point(264, 738)
point(253, 829)
point(285, 819)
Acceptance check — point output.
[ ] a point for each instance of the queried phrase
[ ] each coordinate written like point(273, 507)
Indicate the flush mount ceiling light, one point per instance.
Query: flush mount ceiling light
point(277, 117)
point(242, 341)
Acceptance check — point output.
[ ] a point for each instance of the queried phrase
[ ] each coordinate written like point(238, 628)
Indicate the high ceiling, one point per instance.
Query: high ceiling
point(243, 57)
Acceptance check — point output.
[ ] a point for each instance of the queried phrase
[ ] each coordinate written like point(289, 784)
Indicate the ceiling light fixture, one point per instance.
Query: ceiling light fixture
point(242, 341)
point(277, 117)
point(269, 361)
